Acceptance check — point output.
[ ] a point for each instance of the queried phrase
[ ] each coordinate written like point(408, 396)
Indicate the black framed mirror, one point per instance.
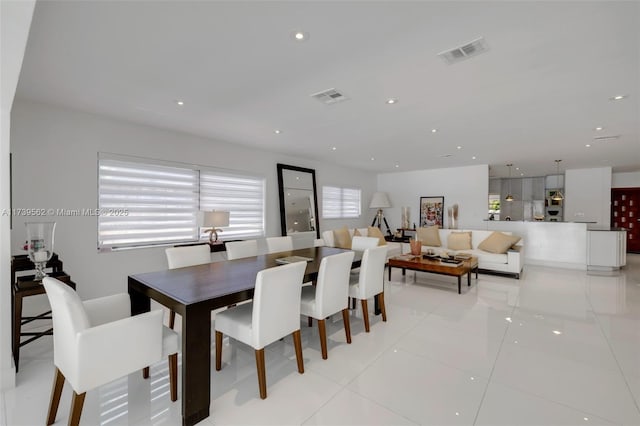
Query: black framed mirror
point(298, 201)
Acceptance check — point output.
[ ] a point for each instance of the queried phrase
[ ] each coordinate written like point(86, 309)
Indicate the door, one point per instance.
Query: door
point(625, 213)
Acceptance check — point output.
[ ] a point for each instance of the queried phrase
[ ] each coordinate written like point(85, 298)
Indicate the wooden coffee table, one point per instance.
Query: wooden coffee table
point(434, 266)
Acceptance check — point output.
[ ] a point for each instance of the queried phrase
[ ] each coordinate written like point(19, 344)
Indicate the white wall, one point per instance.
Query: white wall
point(55, 166)
point(466, 186)
point(626, 180)
point(15, 20)
point(588, 195)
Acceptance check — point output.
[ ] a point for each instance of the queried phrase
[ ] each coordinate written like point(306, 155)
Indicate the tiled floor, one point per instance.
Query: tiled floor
point(557, 347)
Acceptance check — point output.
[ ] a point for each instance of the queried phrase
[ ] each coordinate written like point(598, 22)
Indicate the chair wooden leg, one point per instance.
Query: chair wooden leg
point(297, 343)
point(77, 402)
point(172, 319)
point(322, 329)
point(262, 376)
point(347, 324)
point(365, 314)
point(56, 391)
point(218, 350)
point(383, 310)
point(145, 373)
point(173, 376)
point(309, 321)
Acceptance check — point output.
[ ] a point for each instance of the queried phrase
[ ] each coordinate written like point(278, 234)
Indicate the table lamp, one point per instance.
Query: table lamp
point(214, 219)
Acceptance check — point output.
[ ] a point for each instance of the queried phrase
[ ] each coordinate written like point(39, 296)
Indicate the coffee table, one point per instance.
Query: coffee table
point(434, 266)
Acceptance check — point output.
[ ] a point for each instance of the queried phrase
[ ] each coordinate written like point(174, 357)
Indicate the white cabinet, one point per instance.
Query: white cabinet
point(606, 250)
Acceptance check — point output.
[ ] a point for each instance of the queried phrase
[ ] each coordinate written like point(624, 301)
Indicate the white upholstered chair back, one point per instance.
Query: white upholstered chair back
point(278, 244)
point(240, 249)
point(276, 303)
point(371, 279)
point(180, 257)
point(362, 243)
point(332, 285)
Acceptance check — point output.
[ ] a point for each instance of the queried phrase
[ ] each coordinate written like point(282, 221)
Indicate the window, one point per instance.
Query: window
point(145, 202)
point(340, 203)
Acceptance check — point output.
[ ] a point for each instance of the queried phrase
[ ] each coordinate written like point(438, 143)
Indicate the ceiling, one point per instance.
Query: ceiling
point(535, 96)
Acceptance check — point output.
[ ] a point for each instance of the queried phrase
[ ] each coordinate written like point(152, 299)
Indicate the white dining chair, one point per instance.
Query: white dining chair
point(98, 341)
point(370, 281)
point(330, 295)
point(274, 313)
point(180, 257)
point(240, 249)
point(360, 243)
point(279, 244)
point(319, 242)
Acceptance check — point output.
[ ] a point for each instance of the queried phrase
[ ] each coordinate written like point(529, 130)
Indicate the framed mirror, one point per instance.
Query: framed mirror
point(298, 201)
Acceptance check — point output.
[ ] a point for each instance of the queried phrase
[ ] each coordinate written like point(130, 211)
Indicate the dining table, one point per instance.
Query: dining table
point(195, 291)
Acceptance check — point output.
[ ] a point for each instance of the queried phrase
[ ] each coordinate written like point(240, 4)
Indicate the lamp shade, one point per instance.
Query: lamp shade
point(216, 218)
point(380, 200)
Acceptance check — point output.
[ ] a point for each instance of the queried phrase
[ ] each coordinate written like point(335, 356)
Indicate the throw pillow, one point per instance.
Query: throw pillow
point(459, 241)
point(429, 236)
point(342, 238)
point(375, 232)
point(498, 242)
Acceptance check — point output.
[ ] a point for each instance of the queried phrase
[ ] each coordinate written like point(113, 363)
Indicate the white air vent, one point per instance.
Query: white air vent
point(606, 138)
point(468, 50)
point(330, 96)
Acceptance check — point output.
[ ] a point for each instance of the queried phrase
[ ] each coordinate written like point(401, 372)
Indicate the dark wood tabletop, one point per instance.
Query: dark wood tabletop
point(193, 292)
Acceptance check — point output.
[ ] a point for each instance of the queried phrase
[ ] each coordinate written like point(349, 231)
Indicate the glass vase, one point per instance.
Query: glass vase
point(40, 245)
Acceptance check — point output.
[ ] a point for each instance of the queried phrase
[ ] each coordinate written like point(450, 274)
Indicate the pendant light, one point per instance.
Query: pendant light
point(558, 195)
point(509, 197)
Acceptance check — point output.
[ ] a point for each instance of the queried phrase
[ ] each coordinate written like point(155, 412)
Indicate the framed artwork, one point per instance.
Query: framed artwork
point(431, 211)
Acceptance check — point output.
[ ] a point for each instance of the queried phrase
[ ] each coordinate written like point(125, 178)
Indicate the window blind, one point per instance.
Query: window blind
point(340, 203)
point(242, 196)
point(145, 204)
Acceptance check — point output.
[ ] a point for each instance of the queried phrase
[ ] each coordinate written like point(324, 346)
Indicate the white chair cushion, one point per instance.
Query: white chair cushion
point(236, 322)
point(308, 301)
point(170, 342)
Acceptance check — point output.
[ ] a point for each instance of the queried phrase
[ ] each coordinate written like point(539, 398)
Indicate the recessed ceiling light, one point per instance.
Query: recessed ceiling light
point(181, 103)
point(397, 165)
point(617, 97)
point(300, 35)
point(276, 131)
point(588, 145)
point(557, 332)
point(434, 130)
point(373, 159)
point(459, 147)
point(473, 158)
point(392, 101)
point(521, 174)
point(599, 128)
point(517, 168)
point(333, 148)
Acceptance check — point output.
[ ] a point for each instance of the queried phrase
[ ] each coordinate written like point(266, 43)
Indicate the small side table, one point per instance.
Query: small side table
point(24, 287)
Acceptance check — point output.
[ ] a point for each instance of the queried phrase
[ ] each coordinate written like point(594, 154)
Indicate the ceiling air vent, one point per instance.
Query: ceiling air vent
point(468, 50)
point(606, 138)
point(330, 96)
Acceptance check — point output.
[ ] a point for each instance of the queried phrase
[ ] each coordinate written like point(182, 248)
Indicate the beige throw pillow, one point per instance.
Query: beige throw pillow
point(429, 236)
point(498, 242)
point(342, 238)
point(375, 232)
point(459, 241)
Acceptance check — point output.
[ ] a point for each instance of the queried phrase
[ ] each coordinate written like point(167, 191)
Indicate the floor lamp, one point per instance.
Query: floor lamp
point(380, 201)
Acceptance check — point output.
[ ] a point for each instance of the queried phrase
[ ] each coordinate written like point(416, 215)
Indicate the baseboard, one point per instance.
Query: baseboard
point(8, 377)
point(562, 265)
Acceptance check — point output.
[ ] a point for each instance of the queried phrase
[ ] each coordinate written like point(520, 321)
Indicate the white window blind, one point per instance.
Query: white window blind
point(340, 203)
point(242, 196)
point(145, 204)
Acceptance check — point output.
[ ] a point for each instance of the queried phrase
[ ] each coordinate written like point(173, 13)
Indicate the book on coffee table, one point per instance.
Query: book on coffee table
point(462, 256)
point(450, 262)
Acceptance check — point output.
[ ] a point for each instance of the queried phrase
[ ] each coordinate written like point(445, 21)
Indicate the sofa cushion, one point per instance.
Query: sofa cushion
point(498, 242)
point(429, 236)
point(459, 241)
point(374, 232)
point(342, 238)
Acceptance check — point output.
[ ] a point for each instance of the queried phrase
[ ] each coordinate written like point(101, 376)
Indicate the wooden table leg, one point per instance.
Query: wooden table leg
point(459, 284)
point(469, 278)
point(196, 364)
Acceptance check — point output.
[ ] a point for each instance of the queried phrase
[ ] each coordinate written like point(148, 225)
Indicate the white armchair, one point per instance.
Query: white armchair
point(97, 341)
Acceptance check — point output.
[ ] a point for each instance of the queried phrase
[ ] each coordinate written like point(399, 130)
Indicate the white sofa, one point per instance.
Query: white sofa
point(393, 249)
point(508, 263)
